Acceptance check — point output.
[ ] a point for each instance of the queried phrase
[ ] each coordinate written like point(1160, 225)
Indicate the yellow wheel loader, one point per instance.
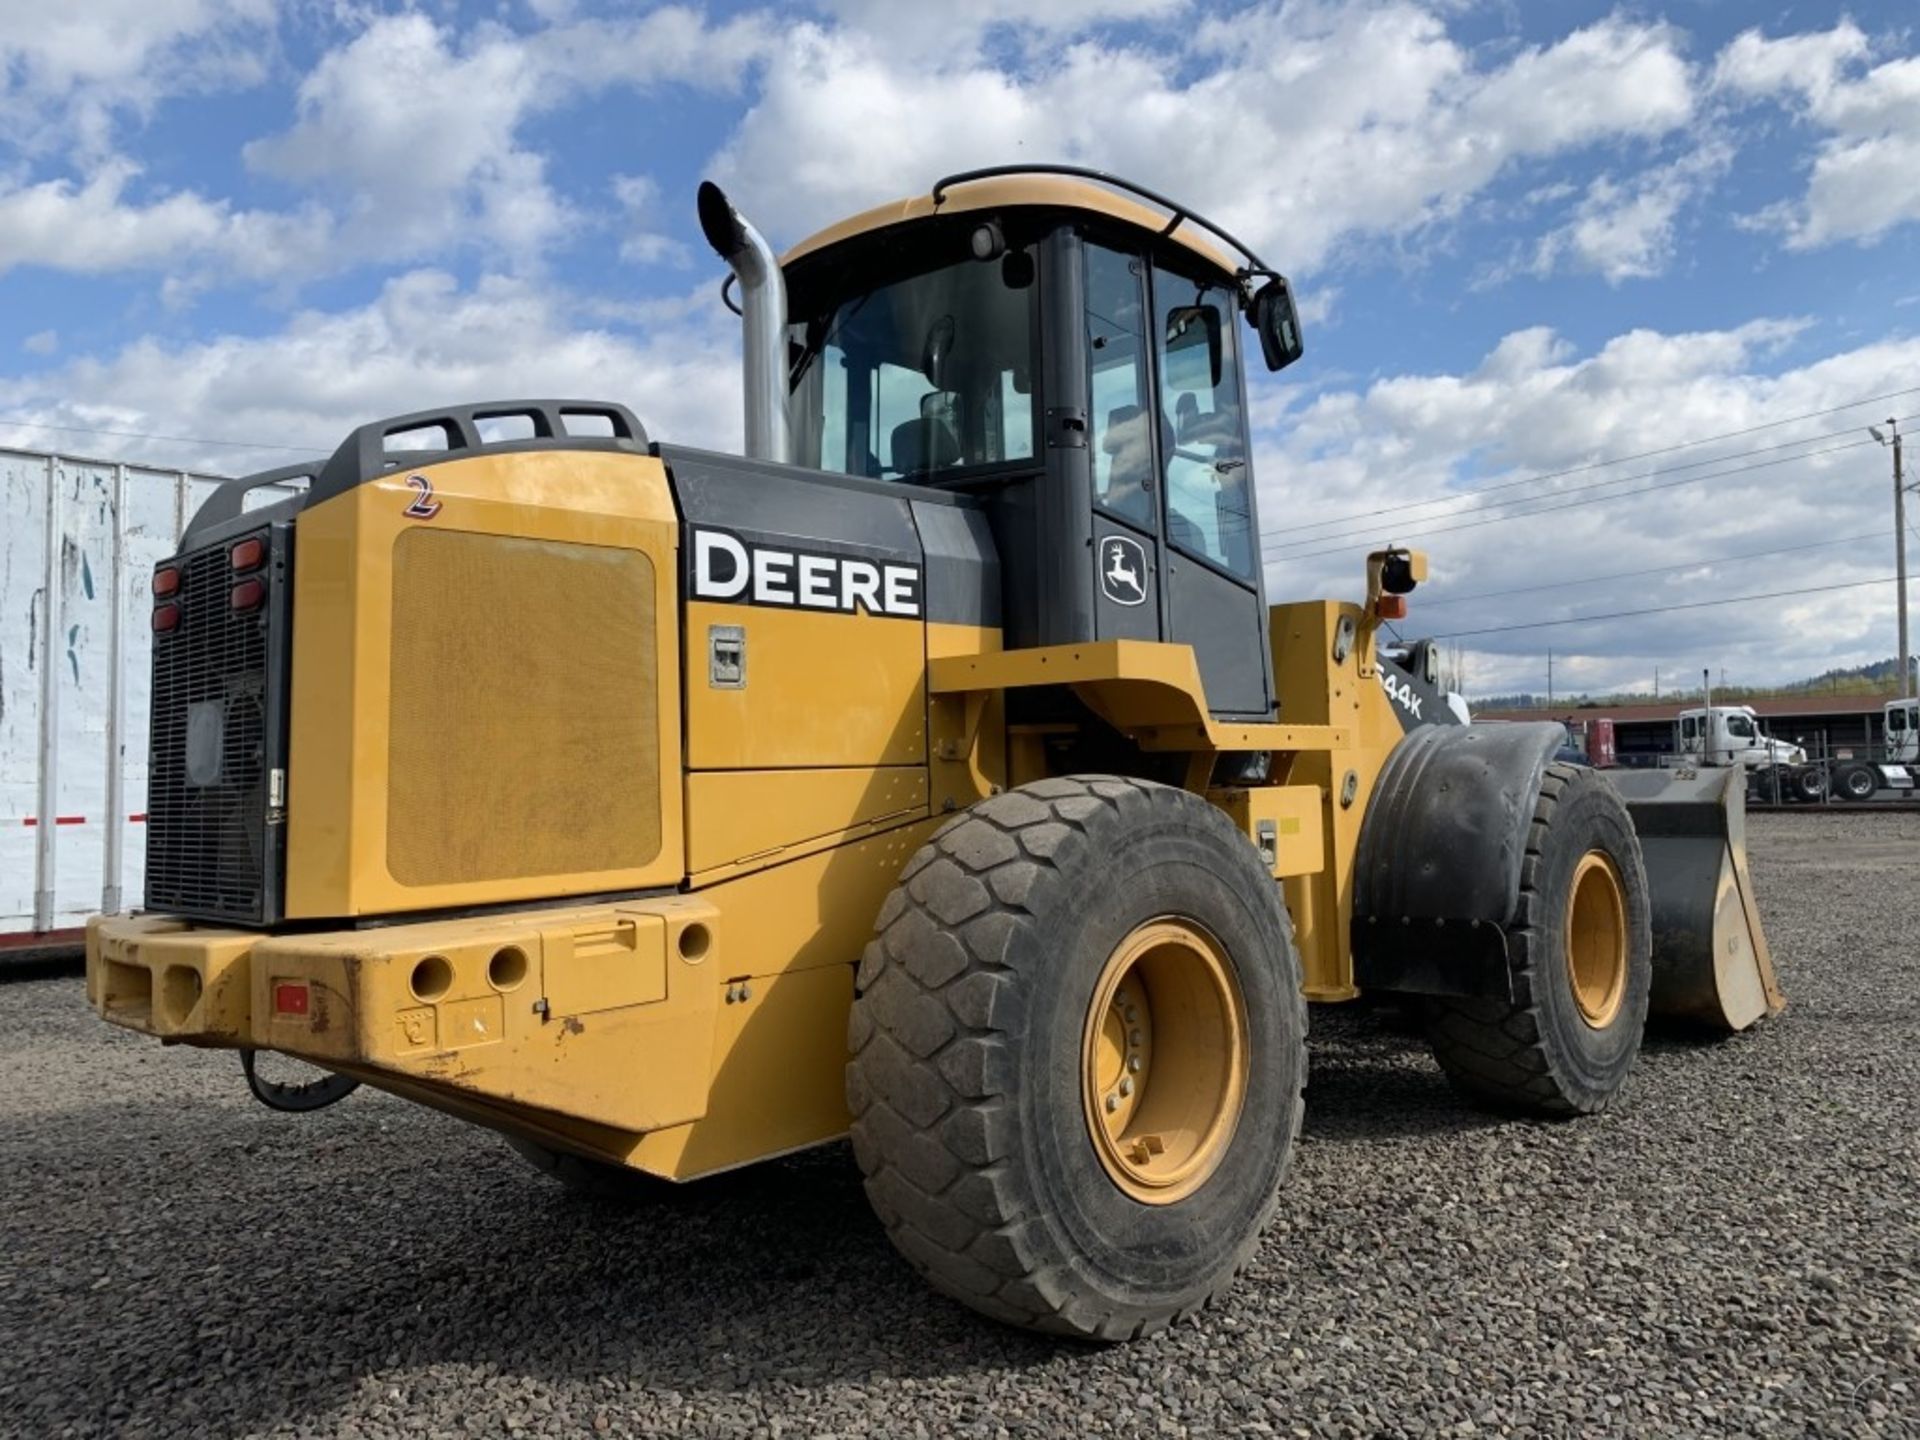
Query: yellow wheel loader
point(936, 774)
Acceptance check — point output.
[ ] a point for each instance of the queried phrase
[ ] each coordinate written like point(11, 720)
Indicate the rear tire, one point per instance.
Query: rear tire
point(1579, 959)
point(1855, 782)
point(1810, 784)
point(993, 1002)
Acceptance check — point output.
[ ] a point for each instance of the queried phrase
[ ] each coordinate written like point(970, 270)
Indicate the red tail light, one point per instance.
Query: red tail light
point(290, 998)
point(165, 582)
point(166, 617)
point(247, 555)
point(247, 595)
point(1391, 607)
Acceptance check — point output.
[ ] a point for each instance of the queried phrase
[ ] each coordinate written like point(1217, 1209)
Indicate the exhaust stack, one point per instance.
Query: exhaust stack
point(763, 321)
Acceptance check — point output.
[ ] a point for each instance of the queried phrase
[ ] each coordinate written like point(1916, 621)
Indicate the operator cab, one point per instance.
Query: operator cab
point(1044, 340)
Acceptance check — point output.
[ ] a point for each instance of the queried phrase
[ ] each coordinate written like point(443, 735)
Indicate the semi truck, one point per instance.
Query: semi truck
point(1777, 769)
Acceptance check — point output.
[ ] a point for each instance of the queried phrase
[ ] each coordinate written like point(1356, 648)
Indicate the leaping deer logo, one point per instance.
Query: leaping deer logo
point(1122, 575)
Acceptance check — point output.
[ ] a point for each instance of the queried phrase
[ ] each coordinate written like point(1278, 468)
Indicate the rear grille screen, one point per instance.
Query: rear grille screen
point(216, 739)
point(525, 715)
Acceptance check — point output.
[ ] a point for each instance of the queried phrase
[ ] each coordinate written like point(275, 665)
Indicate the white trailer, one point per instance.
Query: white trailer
point(79, 539)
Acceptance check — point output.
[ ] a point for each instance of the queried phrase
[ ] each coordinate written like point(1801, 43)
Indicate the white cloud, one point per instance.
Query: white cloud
point(1807, 64)
point(1408, 444)
point(1321, 124)
point(421, 138)
point(416, 130)
point(41, 342)
point(1625, 230)
point(425, 340)
point(641, 244)
point(961, 25)
point(67, 68)
point(1865, 175)
point(92, 228)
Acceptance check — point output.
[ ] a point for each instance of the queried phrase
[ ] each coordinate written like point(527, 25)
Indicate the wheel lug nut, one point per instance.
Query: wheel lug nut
point(1126, 1087)
point(1133, 1063)
point(1133, 1038)
point(1113, 1102)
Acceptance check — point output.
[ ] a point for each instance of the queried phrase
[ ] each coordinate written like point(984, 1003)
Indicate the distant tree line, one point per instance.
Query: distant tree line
point(1878, 678)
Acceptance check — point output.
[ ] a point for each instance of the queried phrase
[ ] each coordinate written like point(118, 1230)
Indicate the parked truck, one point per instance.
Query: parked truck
point(1780, 769)
point(1902, 729)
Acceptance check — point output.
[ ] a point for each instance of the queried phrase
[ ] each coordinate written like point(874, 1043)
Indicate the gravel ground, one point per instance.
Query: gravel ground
point(1733, 1251)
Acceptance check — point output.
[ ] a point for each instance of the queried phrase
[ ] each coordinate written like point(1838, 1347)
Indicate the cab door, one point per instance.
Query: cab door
point(1122, 459)
point(1215, 595)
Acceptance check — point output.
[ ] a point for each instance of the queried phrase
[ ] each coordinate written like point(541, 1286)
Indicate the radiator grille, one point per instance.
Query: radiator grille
point(525, 712)
point(211, 852)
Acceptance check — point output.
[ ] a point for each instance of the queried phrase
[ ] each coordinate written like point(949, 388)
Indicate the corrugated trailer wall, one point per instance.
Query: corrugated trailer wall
point(79, 540)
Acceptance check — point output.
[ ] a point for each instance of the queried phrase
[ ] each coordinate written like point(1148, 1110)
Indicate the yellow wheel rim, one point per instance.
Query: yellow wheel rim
point(1597, 939)
point(1164, 1073)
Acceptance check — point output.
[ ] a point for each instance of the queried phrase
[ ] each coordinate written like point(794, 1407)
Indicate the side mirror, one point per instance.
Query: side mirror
point(934, 354)
point(1192, 325)
point(1278, 324)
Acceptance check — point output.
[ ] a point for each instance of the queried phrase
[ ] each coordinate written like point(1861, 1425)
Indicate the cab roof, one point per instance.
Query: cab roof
point(1051, 187)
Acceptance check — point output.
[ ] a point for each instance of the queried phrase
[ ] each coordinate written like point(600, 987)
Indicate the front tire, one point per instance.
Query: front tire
point(1579, 960)
point(1079, 1054)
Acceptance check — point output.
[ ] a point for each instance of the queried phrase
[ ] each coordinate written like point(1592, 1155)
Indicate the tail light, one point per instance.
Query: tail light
point(166, 618)
point(247, 555)
point(166, 581)
point(247, 595)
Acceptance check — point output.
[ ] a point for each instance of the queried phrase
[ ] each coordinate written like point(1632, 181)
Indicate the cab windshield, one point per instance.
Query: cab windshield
point(1741, 726)
point(926, 373)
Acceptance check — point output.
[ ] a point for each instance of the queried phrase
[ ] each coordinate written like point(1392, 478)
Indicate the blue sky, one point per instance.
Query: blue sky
point(1530, 238)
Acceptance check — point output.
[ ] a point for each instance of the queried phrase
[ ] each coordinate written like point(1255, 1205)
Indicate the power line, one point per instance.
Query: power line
point(1353, 542)
point(1369, 535)
point(1664, 609)
point(1607, 464)
point(1592, 484)
point(16, 424)
point(1657, 570)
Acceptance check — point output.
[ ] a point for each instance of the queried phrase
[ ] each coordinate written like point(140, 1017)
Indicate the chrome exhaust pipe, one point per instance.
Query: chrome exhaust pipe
point(763, 322)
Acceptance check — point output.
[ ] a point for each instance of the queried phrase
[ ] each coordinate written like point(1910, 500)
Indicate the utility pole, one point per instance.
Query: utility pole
point(1656, 684)
point(1549, 679)
point(1706, 694)
point(1892, 439)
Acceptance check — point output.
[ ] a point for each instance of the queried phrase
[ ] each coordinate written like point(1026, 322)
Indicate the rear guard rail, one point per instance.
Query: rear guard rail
point(1710, 958)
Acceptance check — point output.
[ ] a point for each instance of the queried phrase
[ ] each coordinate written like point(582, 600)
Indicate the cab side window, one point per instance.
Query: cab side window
point(1117, 369)
point(1197, 342)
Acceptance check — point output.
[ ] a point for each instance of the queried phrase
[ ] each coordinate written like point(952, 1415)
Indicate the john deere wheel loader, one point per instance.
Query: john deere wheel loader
point(937, 773)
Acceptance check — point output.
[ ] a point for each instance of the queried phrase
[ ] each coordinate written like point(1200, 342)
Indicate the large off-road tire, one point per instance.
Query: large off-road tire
point(1079, 1052)
point(1579, 957)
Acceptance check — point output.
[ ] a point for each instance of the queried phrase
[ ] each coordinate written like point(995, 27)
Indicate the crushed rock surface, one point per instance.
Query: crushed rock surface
point(1734, 1250)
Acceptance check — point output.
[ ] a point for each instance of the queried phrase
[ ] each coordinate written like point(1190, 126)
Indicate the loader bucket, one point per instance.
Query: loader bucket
point(1710, 959)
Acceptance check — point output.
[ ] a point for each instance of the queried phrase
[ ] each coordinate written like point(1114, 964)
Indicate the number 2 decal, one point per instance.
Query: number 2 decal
point(423, 506)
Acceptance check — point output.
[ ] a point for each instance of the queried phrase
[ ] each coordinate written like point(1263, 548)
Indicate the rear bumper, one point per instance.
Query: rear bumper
point(541, 1011)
